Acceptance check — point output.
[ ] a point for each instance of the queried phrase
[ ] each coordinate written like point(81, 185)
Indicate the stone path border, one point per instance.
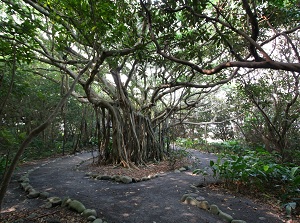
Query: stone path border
point(91, 214)
point(75, 205)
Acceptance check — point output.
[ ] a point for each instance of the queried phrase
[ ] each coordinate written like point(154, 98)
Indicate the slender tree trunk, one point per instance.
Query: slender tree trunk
point(5, 99)
point(35, 132)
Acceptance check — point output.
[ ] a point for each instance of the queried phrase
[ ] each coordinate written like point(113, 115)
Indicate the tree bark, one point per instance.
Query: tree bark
point(35, 132)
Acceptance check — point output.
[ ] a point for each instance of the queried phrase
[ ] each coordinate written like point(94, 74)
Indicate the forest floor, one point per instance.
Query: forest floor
point(153, 201)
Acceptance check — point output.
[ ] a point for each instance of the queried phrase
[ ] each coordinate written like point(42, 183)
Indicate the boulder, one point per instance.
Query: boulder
point(98, 220)
point(126, 179)
point(177, 171)
point(76, 206)
point(238, 221)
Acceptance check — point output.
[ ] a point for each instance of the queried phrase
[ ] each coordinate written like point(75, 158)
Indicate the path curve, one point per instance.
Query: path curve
point(154, 201)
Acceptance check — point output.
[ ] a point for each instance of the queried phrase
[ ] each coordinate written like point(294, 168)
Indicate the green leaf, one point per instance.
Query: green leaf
point(293, 171)
point(266, 168)
point(196, 171)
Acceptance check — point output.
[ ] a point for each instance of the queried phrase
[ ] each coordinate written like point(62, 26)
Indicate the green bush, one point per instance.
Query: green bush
point(257, 169)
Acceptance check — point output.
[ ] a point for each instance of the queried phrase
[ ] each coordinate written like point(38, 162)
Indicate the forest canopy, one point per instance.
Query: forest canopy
point(128, 78)
point(142, 73)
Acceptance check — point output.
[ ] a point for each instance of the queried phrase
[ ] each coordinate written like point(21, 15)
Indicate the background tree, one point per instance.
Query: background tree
point(143, 65)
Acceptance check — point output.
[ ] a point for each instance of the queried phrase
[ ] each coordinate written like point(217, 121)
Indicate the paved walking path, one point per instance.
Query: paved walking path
point(154, 201)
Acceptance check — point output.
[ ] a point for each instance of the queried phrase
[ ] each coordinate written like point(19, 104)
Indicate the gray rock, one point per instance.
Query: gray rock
point(203, 205)
point(191, 201)
point(214, 209)
point(106, 177)
point(91, 218)
point(28, 188)
point(89, 212)
point(188, 195)
point(116, 178)
point(65, 202)
point(262, 218)
point(145, 178)
point(126, 179)
point(226, 217)
point(24, 185)
point(77, 206)
point(44, 195)
point(200, 198)
point(177, 171)
point(98, 220)
point(55, 201)
point(33, 194)
point(182, 169)
point(238, 221)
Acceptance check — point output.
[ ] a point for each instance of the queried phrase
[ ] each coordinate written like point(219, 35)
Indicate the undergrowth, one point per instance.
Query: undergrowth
point(258, 173)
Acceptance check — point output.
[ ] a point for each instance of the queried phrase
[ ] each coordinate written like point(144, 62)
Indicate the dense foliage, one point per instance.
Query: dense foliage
point(142, 73)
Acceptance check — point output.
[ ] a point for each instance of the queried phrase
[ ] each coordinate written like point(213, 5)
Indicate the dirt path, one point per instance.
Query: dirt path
point(154, 201)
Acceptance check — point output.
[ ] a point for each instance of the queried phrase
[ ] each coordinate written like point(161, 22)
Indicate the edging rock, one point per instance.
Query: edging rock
point(89, 214)
point(76, 206)
point(126, 179)
point(191, 199)
point(55, 201)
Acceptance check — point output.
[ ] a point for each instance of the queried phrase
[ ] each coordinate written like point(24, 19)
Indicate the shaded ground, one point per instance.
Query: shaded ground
point(157, 200)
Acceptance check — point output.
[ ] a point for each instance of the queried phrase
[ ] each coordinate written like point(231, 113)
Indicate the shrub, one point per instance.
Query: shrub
point(257, 169)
